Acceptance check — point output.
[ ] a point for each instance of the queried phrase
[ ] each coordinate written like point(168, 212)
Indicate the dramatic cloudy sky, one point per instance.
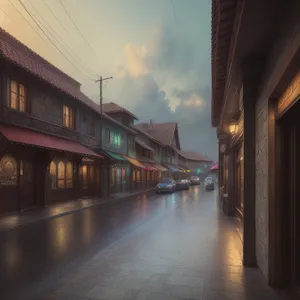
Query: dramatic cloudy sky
point(158, 52)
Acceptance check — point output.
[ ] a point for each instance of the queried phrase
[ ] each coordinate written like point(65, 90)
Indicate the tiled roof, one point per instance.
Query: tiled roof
point(222, 26)
point(143, 132)
point(193, 155)
point(19, 54)
point(143, 144)
point(163, 132)
point(46, 141)
point(112, 108)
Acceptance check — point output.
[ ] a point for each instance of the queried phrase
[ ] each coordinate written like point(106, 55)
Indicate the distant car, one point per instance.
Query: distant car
point(165, 185)
point(209, 183)
point(195, 180)
point(182, 184)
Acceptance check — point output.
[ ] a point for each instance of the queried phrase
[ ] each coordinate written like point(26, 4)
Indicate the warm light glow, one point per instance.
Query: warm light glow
point(232, 128)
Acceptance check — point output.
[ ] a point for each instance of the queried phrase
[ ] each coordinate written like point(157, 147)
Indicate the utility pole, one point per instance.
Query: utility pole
point(101, 106)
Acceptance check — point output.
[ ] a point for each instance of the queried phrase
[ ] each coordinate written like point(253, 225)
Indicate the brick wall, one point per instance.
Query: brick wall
point(261, 190)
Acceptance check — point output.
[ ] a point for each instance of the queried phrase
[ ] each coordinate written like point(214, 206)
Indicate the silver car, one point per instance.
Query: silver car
point(209, 183)
point(195, 180)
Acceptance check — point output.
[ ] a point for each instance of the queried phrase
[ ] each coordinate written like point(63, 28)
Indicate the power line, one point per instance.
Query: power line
point(27, 21)
point(7, 14)
point(38, 25)
point(62, 25)
point(174, 12)
point(53, 14)
point(74, 23)
point(58, 38)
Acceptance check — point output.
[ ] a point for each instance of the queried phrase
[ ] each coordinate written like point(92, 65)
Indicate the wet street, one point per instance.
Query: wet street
point(176, 246)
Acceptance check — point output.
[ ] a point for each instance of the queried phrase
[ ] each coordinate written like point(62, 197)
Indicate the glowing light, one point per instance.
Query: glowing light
point(232, 127)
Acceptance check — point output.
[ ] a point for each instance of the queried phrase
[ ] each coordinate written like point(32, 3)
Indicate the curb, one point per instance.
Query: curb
point(106, 202)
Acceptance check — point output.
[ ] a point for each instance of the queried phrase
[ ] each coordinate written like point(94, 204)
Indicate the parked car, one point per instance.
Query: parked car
point(182, 184)
point(209, 183)
point(166, 185)
point(195, 180)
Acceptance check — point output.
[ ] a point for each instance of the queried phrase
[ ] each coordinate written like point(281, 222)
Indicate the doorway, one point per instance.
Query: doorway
point(290, 194)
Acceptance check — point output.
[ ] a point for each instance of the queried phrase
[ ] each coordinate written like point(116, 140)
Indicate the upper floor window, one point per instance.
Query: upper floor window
point(68, 117)
point(17, 96)
point(91, 127)
point(115, 139)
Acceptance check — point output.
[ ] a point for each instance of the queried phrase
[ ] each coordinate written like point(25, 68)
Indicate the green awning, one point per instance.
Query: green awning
point(115, 156)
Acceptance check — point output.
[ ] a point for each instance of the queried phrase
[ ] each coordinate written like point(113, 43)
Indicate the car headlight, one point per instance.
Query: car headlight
point(169, 185)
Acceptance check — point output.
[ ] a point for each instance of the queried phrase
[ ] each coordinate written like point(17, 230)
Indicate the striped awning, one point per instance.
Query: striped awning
point(134, 162)
point(115, 156)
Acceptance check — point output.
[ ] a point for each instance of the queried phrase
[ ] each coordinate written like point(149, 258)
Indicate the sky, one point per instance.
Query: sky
point(158, 52)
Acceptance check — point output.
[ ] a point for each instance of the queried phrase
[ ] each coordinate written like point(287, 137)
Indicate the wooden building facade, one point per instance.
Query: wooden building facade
point(256, 88)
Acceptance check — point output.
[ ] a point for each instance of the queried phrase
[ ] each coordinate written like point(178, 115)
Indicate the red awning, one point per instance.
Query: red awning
point(215, 167)
point(46, 141)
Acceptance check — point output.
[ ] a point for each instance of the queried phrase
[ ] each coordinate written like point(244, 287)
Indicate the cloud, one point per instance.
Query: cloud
point(168, 79)
point(135, 56)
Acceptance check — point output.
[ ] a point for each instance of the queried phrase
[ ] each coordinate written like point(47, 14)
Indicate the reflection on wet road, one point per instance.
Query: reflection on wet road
point(44, 253)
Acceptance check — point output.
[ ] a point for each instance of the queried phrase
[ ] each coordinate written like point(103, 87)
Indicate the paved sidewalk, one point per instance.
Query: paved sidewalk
point(190, 251)
point(15, 220)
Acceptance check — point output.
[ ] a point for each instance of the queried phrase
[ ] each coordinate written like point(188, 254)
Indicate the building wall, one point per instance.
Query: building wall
point(290, 28)
point(46, 113)
point(261, 192)
point(114, 128)
point(158, 154)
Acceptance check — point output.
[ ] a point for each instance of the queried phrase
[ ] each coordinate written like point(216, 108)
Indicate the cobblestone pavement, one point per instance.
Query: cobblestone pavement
point(189, 251)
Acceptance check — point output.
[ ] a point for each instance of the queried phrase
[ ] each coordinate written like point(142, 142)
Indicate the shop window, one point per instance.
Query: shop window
point(68, 117)
point(53, 175)
point(113, 175)
point(69, 174)
point(61, 175)
point(17, 96)
point(134, 176)
point(118, 175)
point(123, 175)
point(8, 171)
point(138, 175)
point(143, 175)
point(84, 177)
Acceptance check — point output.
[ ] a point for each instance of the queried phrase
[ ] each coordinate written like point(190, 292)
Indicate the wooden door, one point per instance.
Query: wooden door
point(27, 186)
point(295, 205)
